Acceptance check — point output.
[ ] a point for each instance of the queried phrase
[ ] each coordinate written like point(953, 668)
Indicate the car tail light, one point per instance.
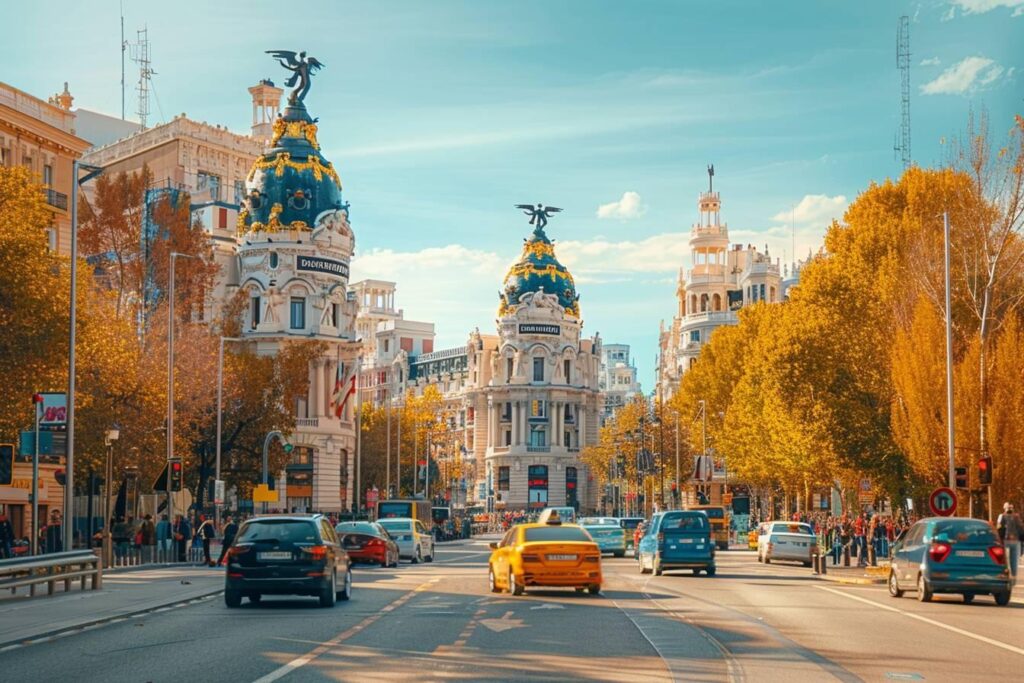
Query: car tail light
point(316, 552)
point(939, 551)
point(236, 550)
point(374, 542)
point(592, 558)
point(998, 554)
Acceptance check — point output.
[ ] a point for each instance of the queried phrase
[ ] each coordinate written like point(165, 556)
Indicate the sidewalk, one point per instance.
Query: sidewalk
point(861, 576)
point(124, 593)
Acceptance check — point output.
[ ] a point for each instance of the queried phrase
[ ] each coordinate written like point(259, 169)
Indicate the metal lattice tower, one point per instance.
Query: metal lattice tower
point(140, 55)
point(903, 64)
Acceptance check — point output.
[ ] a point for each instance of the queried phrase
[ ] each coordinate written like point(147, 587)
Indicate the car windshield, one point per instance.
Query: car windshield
point(396, 525)
point(963, 531)
point(597, 521)
point(714, 513)
point(681, 520)
point(357, 528)
point(793, 528)
point(556, 533)
point(630, 522)
point(278, 531)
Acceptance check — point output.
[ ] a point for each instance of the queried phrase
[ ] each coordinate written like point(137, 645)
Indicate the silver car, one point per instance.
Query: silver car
point(792, 541)
point(414, 541)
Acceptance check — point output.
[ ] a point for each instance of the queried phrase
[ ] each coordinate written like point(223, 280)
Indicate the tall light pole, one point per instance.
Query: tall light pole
point(220, 410)
point(266, 455)
point(949, 361)
point(108, 507)
point(170, 377)
point(69, 468)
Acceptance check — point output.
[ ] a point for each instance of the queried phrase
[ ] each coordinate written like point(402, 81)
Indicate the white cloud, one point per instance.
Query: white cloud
point(963, 77)
point(931, 61)
point(630, 206)
point(983, 6)
point(814, 210)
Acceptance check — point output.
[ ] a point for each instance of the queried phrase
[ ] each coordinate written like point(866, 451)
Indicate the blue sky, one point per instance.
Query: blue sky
point(440, 116)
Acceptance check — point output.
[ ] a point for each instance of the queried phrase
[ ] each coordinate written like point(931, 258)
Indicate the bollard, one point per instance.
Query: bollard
point(816, 562)
point(824, 566)
point(846, 555)
point(872, 560)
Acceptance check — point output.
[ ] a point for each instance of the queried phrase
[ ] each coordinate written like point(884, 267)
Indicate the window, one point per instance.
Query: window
point(51, 239)
point(406, 344)
point(48, 175)
point(239, 191)
point(222, 218)
point(302, 456)
point(503, 478)
point(695, 336)
point(538, 436)
point(254, 314)
point(508, 437)
point(568, 412)
point(556, 533)
point(208, 181)
point(506, 414)
point(537, 489)
point(762, 293)
point(387, 345)
point(567, 439)
point(537, 409)
point(428, 346)
point(570, 486)
point(567, 367)
point(298, 312)
point(508, 369)
point(538, 369)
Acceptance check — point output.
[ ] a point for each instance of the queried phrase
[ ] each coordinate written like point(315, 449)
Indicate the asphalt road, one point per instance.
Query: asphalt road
point(438, 621)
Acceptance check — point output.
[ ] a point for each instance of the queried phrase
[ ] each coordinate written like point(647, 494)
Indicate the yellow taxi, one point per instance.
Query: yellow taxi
point(550, 554)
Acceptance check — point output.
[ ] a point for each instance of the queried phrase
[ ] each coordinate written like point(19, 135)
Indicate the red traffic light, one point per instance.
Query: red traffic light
point(176, 467)
point(985, 471)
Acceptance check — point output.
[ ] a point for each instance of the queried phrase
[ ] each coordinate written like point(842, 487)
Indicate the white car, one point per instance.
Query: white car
point(414, 541)
point(793, 541)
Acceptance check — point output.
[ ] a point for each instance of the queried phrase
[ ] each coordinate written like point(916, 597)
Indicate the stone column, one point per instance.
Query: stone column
point(311, 392)
point(581, 420)
point(318, 387)
point(515, 423)
point(555, 422)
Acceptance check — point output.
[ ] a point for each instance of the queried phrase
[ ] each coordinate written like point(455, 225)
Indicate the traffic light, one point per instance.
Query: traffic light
point(6, 464)
point(985, 471)
point(61, 476)
point(177, 474)
point(961, 477)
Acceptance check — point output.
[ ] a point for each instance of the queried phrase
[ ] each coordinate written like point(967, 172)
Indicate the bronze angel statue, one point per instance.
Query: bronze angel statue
point(302, 72)
point(539, 215)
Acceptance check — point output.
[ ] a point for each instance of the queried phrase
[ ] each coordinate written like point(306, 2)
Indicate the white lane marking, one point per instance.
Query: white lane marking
point(933, 622)
point(503, 624)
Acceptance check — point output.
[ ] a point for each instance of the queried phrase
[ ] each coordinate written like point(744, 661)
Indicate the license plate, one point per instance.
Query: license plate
point(686, 540)
point(354, 547)
point(562, 558)
point(700, 547)
point(969, 553)
point(275, 555)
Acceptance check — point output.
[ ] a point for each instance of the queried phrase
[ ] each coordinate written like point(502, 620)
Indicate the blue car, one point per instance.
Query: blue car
point(606, 532)
point(950, 555)
point(677, 539)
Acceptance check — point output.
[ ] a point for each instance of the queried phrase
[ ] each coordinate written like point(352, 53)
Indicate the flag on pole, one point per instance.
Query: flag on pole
point(340, 395)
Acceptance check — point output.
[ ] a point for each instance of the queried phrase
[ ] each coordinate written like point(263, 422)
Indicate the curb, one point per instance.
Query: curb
point(155, 565)
point(851, 580)
point(100, 621)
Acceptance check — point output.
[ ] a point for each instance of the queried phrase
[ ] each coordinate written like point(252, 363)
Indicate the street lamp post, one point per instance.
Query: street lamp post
point(220, 410)
point(170, 377)
point(108, 508)
point(266, 456)
point(69, 467)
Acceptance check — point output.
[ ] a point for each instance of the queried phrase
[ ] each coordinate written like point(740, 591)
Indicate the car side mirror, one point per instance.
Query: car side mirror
point(492, 545)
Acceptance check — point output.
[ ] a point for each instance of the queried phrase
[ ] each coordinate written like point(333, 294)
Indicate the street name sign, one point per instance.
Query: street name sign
point(942, 501)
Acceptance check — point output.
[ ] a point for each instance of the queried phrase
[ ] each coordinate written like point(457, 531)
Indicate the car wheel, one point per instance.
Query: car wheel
point(430, 557)
point(328, 594)
point(232, 598)
point(894, 586)
point(807, 563)
point(255, 598)
point(594, 589)
point(924, 591)
point(581, 589)
point(346, 591)
point(513, 587)
point(696, 572)
point(1002, 598)
point(417, 557)
point(619, 553)
point(657, 566)
point(491, 582)
point(968, 598)
point(710, 571)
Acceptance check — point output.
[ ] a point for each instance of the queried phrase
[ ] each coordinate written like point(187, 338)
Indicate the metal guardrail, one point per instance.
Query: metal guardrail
point(51, 569)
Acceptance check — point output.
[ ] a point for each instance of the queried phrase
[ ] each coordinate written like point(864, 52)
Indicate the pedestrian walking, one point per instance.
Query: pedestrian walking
point(1011, 530)
point(205, 533)
point(147, 532)
point(163, 538)
point(6, 537)
point(54, 543)
point(230, 531)
point(121, 535)
point(181, 533)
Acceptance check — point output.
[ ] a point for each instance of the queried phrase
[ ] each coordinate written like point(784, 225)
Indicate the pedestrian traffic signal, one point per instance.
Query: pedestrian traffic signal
point(6, 464)
point(985, 471)
point(961, 477)
point(177, 474)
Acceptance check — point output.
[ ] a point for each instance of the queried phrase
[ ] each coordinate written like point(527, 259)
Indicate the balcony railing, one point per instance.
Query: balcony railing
point(538, 449)
point(57, 200)
point(307, 422)
point(573, 449)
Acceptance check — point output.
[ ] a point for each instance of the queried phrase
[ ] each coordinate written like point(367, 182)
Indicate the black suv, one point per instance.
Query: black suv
point(287, 555)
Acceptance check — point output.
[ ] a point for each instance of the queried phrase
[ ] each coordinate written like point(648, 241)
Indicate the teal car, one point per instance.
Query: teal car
point(678, 539)
point(606, 532)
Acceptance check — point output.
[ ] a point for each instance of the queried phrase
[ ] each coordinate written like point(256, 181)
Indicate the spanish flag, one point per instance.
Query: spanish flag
point(340, 396)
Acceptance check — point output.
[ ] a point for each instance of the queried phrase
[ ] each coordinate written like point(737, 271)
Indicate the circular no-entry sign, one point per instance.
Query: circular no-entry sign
point(942, 501)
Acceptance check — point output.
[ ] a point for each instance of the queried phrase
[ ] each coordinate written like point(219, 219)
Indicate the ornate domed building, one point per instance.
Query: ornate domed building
point(536, 388)
point(294, 246)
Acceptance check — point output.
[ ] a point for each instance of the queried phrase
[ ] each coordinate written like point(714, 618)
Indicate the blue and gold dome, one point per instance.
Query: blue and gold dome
point(539, 270)
point(291, 184)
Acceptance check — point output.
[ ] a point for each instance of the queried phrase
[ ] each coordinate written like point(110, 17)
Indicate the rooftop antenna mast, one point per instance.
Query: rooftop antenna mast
point(903, 64)
point(140, 55)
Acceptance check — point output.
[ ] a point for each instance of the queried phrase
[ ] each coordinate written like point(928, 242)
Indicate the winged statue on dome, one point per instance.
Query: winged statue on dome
point(539, 215)
point(302, 69)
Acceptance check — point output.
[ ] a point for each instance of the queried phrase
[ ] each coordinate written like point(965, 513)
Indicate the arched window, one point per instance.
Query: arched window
point(703, 303)
point(693, 304)
point(717, 302)
point(771, 294)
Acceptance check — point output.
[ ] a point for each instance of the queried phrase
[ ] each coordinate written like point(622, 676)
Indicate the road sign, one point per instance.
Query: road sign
point(942, 501)
point(263, 494)
point(864, 493)
point(218, 492)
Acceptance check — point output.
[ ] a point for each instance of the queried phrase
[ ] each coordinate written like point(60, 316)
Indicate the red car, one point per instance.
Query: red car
point(368, 542)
